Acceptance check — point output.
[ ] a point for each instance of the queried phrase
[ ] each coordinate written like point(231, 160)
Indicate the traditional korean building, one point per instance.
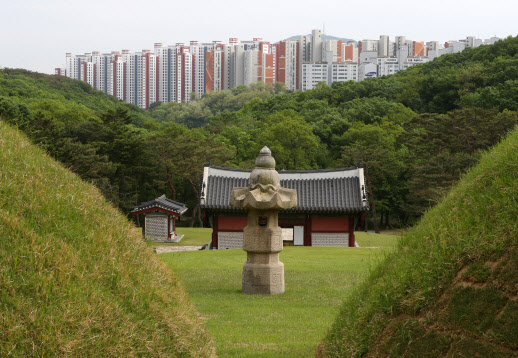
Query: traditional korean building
point(160, 215)
point(329, 205)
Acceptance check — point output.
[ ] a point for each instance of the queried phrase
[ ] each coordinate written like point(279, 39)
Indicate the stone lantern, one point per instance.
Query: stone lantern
point(263, 273)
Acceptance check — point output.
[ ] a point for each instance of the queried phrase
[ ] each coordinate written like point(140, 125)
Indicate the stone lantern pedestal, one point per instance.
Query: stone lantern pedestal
point(263, 273)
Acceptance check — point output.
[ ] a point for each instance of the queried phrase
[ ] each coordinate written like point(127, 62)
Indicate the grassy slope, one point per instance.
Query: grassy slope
point(450, 288)
point(75, 278)
point(288, 325)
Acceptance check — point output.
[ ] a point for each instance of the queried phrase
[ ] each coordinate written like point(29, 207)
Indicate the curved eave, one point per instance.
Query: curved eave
point(150, 209)
point(230, 209)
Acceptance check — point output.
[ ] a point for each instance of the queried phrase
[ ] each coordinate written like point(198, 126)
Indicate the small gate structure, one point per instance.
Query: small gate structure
point(160, 215)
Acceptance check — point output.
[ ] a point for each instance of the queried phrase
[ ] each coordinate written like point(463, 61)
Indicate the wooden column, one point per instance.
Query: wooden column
point(174, 225)
point(168, 227)
point(351, 231)
point(144, 228)
point(215, 228)
point(307, 231)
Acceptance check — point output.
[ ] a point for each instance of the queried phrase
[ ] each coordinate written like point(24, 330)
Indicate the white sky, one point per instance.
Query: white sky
point(36, 34)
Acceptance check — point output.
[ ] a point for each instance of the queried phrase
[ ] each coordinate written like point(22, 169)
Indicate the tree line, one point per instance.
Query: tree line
point(415, 132)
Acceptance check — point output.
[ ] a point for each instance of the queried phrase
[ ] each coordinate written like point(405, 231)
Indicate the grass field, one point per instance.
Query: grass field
point(202, 236)
point(192, 237)
point(288, 325)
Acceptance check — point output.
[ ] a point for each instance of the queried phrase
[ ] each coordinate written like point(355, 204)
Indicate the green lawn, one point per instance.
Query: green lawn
point(192, 237)
point(201, 236)
point(369, 239)
point(288, 325)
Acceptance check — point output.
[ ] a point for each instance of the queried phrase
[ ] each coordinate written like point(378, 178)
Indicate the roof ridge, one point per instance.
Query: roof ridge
point(289, 171)
point(162, 202)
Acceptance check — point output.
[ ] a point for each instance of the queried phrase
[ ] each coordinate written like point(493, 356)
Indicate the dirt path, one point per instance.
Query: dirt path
point(164, 249)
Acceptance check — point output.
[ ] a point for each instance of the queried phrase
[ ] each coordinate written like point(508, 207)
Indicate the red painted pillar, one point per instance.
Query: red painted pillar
point(168, 227)
point(351, 231)
point(174, 225)
point(307, 231)
point(144, 228)
point(215, 231)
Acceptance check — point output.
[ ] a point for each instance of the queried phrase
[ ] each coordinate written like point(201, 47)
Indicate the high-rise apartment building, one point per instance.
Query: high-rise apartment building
point(287, 60)
point(59, 71)
point(102, 64)
point(384, 46)
point(316, 46)
point(117, 78)
point(173, 73)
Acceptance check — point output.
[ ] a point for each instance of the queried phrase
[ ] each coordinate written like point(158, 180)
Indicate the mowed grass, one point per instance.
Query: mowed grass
point(202, 236)
point(192, 237)
point(289, 325)
point(370, 239)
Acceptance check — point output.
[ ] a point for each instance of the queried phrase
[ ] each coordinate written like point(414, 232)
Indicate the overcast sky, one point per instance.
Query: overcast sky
point(36, 34)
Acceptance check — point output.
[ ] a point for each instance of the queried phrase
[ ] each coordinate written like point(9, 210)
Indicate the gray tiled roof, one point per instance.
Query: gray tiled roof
point(163, 203)
point(337, 190)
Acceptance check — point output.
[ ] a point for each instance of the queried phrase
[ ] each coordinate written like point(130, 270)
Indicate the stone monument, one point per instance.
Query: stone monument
point(263, 273)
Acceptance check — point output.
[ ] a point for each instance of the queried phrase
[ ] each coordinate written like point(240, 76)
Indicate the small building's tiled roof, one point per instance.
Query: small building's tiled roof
point(162, 203)
point(332, 190)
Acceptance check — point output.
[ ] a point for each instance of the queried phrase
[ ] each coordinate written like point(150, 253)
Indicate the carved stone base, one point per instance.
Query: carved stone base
point(262, 272)
point(261, 279)
point(258, 239)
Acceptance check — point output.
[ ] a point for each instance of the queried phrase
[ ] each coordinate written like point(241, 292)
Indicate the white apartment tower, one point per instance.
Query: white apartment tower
point(133, 65)
point(316, 46)
point(304, 54)
point(88, 73)
point(149, 78)
point(187, 76)
point(198, 52)
point(117, 78)
point(238, 65)
point(251, 66)
point(164, 65)
point(330, 46)
point(383, 46)
point(102, 66)
point(291, 62)
point(312, 74)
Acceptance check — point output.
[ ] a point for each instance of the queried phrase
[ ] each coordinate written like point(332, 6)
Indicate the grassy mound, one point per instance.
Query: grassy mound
point(75, 277)
point(451, 286)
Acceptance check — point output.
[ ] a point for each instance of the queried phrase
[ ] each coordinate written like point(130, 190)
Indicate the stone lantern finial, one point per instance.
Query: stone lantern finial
point(263, 273)
point(265, 159)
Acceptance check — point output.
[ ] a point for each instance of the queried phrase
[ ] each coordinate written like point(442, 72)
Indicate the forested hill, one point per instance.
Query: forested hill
point(415, 132)
point(117, 146)
point(64, 99)
point(129, 155)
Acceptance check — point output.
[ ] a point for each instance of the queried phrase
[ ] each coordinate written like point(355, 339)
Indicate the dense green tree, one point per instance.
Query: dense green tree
point(179, 156)
point(290, 139)
point(443, 147)
point(375, 147)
